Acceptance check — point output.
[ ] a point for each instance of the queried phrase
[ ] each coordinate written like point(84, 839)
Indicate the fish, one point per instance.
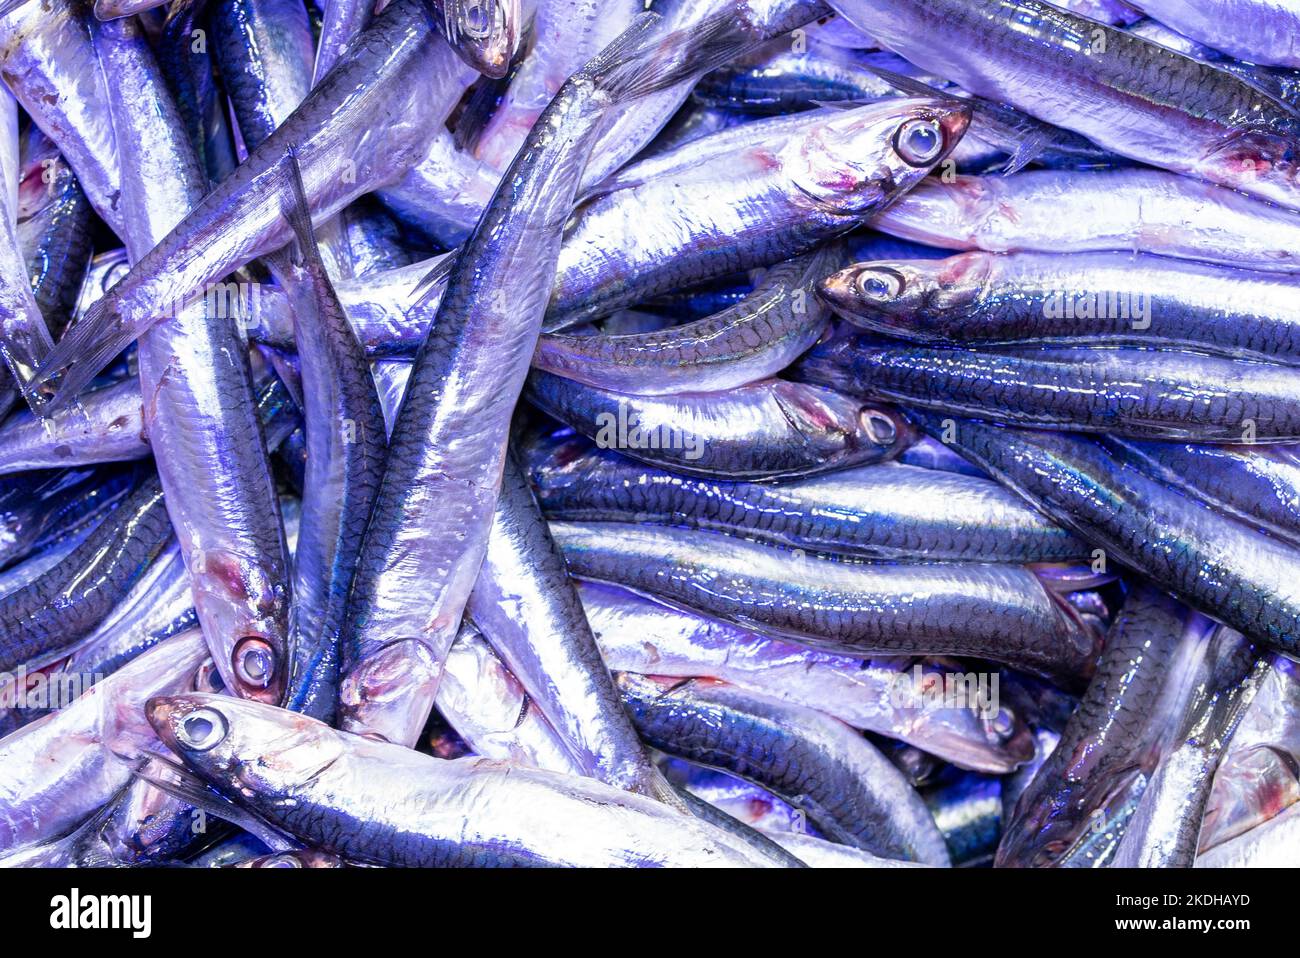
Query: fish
point(1210, 561)
point(844, 785)
point(840, 605)
point(882, 511)
point(765, 430)
point(1084, 299)
point(1121, 91)
point(1258, 32)
point(447, 448)
point(1130, 393)
point(449, 811)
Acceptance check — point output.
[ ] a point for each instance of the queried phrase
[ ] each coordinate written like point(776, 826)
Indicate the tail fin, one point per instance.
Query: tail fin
point(297, 211)
point(639, 62)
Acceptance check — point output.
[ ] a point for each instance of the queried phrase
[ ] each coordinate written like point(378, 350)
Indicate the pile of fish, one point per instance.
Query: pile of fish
point(676, 433)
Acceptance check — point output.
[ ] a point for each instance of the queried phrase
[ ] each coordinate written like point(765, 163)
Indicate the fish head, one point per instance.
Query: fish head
point(919, 299)
point(484, 33)
point(861, 159)
point(244, 748)
point(243, 609)
point(851, 431)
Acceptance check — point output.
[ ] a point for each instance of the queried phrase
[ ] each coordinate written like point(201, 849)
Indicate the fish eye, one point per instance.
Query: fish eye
point(478, 18)
point(880, 429)
point(254, 661)
point(1003, 723)
point(202, 729)
point(880, 284)
point(919, 142)
point(282, 861)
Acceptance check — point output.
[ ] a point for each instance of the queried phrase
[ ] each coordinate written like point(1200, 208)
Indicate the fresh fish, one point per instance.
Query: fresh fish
point(65, 603)
point(881, 696)
point(1260, 485)
point(1082, 299)
point(1275, 844)
point(885, 511)
point(1124, 93)
point(1134, 393)
point(1138, 210)
point(844, 606)
point(776, 200)
point(755, 339)
point(1165, 830)
point(1254, 30)
point(61, 769)
point(346, 445)
point(845, 786)
point(386, 73)
point(54, 228)
point(1113, 738)
point(467, 812)
point(765, 430)
point(1212, 562)
point(430, 523)
point(200, 409)
point(528, 609)
point(39, 509)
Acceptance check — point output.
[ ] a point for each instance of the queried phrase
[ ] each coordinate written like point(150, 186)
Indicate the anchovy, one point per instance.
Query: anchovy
point(1165, 830)
point(448, 442)
point(1138, 210)
point(885, 511)
point(1124, 392)
point(67, 602)
point(54, 228)
point(346, 446)
point(1081, 299)
point(1213, 563)
point(847, 788)
point(1113, 738)
point(844, 606)
point(882, 696)
point(774, 201)
point(525, 604)
point(752, 340)
point(1124, 93)
point(333, 791)
point(41, 799)
point(388, 71)
point(765, 430)
point(1259, 485)
point(40, 509)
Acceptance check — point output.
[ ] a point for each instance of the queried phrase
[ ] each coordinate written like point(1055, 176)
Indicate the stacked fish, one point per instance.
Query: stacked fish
point(733, 433)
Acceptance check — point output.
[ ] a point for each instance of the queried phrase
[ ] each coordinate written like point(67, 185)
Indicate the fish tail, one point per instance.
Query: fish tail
point(638, 63)
point(297, 210)
point(77, 358)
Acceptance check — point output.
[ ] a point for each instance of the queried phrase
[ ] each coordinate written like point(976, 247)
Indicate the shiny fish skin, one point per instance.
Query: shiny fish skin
point(109, 427)
point(642, 636)
point(1275, 844)
point(346, 446)
point(1139, 210)
point(725, 212)
point(765, 430)
point(1124, 93)
point(883, 511)
point(59, 770)
point(1261, 31)
point(845, 606)
point(848, 789)
point(1081, 299)
point(528, 609)
point(430, 522)
point(384, 74)
point(201, 411)
point(1257, 484)
point(38, 509)
point(1212, 562)
point(1132, 393)
point(752, 340)
point(461, 812)
point(1111, 739)
point(67, 602)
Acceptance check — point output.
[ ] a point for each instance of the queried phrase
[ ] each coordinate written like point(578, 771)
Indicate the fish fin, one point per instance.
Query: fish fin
point(297, 211)
point(638, 63)
point(436, 276)
point(76, 359)
point(176, 780)
point(1027, 150)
